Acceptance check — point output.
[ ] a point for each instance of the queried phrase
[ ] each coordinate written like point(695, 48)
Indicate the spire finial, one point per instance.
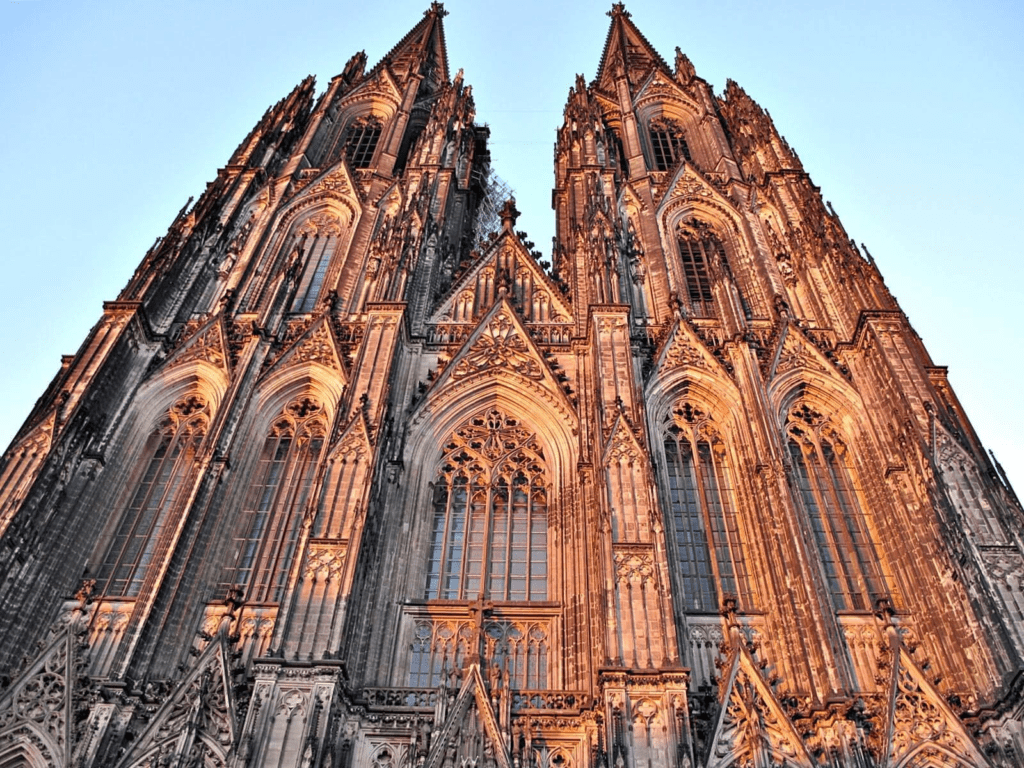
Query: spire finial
point(437, 9)
point(509, 214)
point(619, 9)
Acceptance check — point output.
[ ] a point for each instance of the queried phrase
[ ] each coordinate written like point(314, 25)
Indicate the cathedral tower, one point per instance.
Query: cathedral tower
point(347, 476)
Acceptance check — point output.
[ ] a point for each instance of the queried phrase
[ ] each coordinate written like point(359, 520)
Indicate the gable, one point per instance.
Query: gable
point(506, 263)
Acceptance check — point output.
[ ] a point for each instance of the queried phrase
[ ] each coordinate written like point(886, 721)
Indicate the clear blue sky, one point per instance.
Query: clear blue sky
point(908, 116)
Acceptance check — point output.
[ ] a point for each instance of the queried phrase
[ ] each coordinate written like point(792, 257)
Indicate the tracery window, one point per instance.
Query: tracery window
point(708, 552)
point(267, 531)
point(361, 141)
point(318, 237)
point(168, 457)
point(489, 535)
point(700, 252)
point(668, 144)
point(517, 649)
point(829, 497)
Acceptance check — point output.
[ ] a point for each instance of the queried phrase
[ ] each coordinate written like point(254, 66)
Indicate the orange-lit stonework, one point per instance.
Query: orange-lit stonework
point(348, 476)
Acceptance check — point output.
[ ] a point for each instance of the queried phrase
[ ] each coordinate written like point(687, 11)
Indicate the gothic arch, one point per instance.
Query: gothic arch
point(439, 420)
point(669, 109)
point(523, 398)
point(24, 746)
point(673, 104)
point(288, 383)
point(932, 755)
point(705, 204)
point(718, 394)
point(829, 393)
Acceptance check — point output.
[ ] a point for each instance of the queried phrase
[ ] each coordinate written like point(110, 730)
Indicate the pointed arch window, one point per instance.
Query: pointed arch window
point(361, 141)
point(826, 491)
point(167, 461)
point(318, 238)
point(267, 531)
point(699, 252)
point(668, 144)
point(700, 494)
point(489, 533)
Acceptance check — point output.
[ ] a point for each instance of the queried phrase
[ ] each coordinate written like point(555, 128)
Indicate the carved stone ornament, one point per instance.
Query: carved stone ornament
point(333, 182)
point(794, 354)
point(753, 729)
point(635, 567)
point(682, 353)
point(206, 347)
point(690, 187)
point(919, 717)
point(325, 562)
point(318, 347)
point(499, 346)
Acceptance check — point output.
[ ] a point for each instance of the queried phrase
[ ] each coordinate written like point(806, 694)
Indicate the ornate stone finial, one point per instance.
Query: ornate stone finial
point(436, 9)
point(619, 9)
point(685, 71)
point(509, 213)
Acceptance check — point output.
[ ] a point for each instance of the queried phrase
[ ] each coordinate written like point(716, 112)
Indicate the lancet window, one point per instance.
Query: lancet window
point(700, 253)
point(489, 534)
point(829, 497)
point(709, 556)
point(318, 239)
point(166, 463)
point(668, 144)
point(361, 141)
point(267, 531)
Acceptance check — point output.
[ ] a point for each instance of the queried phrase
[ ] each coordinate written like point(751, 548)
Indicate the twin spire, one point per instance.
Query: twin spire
point(423, 49)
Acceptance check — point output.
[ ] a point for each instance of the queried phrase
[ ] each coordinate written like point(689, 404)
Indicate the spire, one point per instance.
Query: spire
point(626, 51)
point(422, 51)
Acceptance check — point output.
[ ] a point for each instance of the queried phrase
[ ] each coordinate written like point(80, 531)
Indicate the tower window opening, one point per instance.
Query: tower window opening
point(361, 142)
point(698, 251)
point(668, 144)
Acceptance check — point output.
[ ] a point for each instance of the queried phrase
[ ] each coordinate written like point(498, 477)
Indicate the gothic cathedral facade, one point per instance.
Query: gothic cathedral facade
point(347, 476)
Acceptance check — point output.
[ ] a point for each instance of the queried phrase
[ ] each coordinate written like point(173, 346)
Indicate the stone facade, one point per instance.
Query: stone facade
point(347, 476)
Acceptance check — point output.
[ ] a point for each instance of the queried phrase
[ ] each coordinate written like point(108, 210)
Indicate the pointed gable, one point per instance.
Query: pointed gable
point(205, 344)
point(316, 346)
point(198, 717)
point(623, 444)
point(37, 705)
point(500, 342)
point(658, 87)
point(500, 345)
point(796, 352)
point(353, 442)
point(505, 261)
point(626, 51)
point(380, 83)
point(753, 728)
point(690, 184)
point(684, 349)
point(920, 722)
point(470, 717)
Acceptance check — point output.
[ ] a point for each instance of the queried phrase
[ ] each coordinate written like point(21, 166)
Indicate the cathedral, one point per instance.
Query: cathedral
point(349, 475)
